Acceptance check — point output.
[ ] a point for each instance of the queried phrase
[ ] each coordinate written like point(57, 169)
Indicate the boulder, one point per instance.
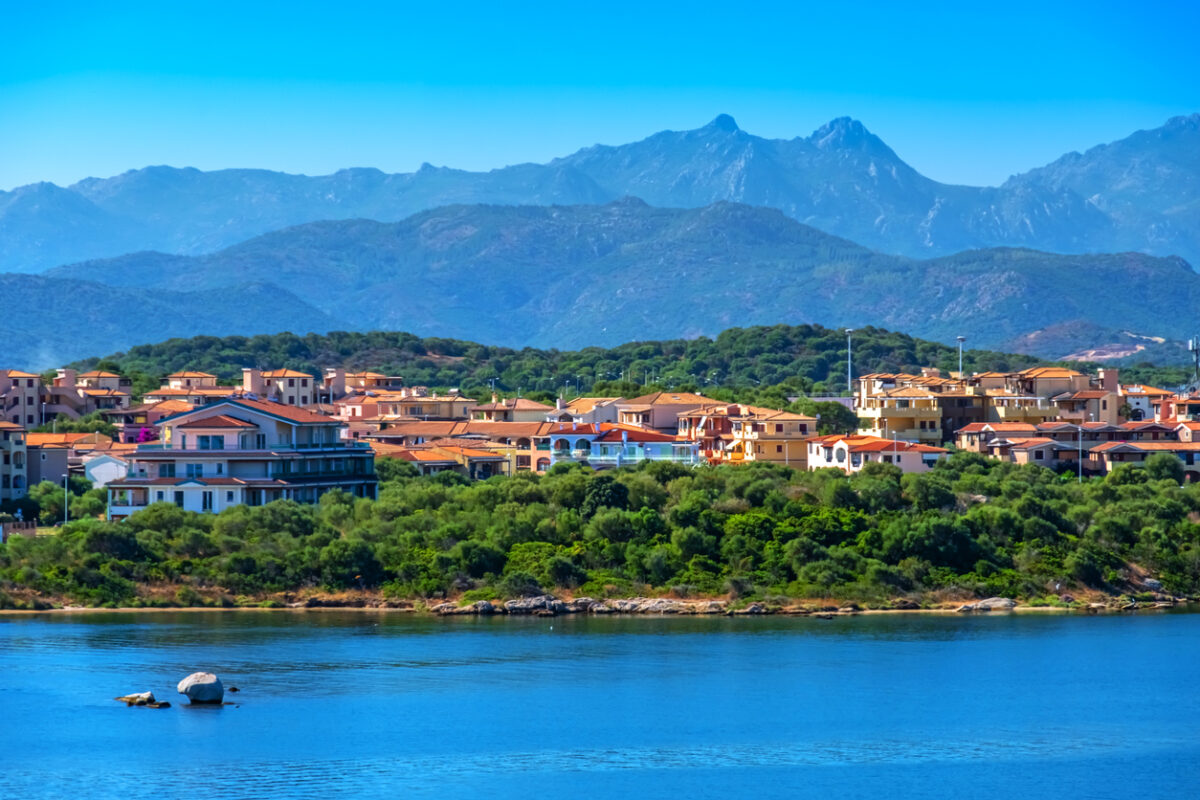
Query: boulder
point(1153, 584)
point(530, 605)
point(202, 688)
point(710, 607)
point(905, 604)
point(990, 604)
point(138, 699)
point(753, 608)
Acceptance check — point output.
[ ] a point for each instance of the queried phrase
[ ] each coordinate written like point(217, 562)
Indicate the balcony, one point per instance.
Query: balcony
point(288, 447)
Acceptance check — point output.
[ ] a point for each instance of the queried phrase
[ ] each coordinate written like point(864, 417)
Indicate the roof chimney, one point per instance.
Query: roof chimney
point(252, 381)
point(1110, 380)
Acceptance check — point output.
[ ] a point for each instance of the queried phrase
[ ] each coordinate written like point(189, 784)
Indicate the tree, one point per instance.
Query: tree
point(604, 491)
point(1165, 466)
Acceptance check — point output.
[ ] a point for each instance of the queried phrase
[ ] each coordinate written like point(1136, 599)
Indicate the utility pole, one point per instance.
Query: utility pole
point(849, 365)
point(66, 498)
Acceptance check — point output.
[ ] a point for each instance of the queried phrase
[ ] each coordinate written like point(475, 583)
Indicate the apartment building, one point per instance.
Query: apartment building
point(515, 409)
point(20, 398)
point(850, 453)
point(14, 479)
point(241, 451)
point(660, 410)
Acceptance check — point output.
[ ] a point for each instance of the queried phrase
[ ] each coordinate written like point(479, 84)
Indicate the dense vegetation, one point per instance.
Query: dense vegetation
point(969, 527)
point(763, 365)
point(800, 359)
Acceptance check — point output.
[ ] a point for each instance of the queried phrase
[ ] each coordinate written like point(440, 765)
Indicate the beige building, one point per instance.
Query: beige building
point(851, 453)
point(659, 411)
point(513, 409)
point(902, 413)
point(416, 402)
point(14, 478)
point(20, 398)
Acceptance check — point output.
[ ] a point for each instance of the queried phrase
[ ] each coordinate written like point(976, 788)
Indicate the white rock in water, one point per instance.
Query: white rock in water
point(202, 687)
point(138, 699)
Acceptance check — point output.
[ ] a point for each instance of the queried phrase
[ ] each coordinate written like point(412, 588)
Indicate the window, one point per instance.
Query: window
point(304, 382)
point(158, 496)
point(166, 470)
point(29, 418)
point(887, 459)
point(291, 382)
point(195, 470)
point(291, 400)
point(206, 501)
point(260, 441)
point(28, 401)
point(29, 382)
point(229, 497)
point(1039, 455)
point(779, 427)
point(803, 427)
point(179, 499)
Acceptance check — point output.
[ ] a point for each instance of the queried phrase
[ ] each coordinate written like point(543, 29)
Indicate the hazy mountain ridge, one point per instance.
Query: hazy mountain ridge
point(1137, 194)
point(600, 275)
point(49, 332)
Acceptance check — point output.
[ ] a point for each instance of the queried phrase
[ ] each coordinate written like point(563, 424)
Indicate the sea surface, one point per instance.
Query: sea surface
point(364, 705)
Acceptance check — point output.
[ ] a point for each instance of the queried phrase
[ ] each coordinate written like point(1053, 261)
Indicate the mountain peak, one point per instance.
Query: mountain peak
point(723, 122)
point(841, 131)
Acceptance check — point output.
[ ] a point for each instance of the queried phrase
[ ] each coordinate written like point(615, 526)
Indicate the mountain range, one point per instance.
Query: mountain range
point(574, 276)
point(1140, 194)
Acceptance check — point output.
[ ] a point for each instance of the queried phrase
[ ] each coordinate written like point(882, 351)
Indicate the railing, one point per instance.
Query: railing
point(630, 459)
point(270, 448)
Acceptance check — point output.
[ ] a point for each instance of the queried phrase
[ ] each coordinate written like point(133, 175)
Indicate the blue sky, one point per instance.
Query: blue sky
point(965, 92)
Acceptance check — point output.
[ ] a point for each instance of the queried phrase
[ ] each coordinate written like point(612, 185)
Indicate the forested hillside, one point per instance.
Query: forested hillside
point(802, 358)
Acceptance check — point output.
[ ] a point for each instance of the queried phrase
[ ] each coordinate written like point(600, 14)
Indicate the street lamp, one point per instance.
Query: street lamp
point(849, 365)
point(961, 339)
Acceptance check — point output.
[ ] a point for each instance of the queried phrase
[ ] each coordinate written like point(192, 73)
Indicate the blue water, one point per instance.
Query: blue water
point(353, 704)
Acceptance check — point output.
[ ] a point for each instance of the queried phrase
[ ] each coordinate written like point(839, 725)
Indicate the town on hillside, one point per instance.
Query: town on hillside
point(285, 434)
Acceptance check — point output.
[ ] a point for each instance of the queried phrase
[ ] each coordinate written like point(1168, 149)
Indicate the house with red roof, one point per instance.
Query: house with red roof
point(238, 451)
point(850, 453)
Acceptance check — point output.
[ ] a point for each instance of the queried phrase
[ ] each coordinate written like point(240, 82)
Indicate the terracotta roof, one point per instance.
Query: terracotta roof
point(858, 443)
point(194, 391)
point(191, 375)
point(16, 373)
point(998, 427)
point(97, 374)
point(584, 405)
point(670, 399)
point(64, 439)
point(219, 421)
point(289, 413)
point(1144, 424)
point(205, 481)
point(285, 373)
point(103, 393)
point(512, 404)
point(1048, 372)
point(1137, 389)
point(1148, 446)
point(614, 434)
point(10, 426)
point(908, 391)
point(1086, 394)
point(1033, 441)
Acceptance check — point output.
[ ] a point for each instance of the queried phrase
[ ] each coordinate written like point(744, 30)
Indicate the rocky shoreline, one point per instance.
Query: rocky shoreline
point(550, 606)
